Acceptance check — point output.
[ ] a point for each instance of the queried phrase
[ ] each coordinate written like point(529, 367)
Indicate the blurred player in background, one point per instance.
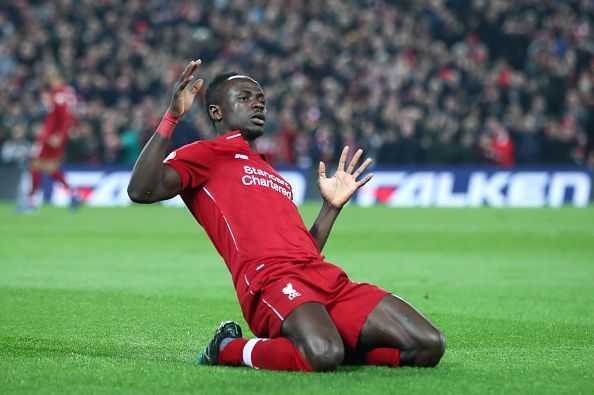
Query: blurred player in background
point(307, 314)
point(50, 146)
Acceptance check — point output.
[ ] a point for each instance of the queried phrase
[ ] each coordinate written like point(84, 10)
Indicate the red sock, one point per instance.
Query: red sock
point(35, 181)
point(270, 354)
point(232, 354)
point(383, 357)
point(59, 176)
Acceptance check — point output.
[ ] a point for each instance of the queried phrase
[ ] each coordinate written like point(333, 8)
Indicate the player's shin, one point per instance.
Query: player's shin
point(59, 176)
point(270, 354)
point(35, 181)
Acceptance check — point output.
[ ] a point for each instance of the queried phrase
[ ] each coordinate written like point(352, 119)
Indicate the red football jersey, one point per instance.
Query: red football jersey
point(503, 151)
point(244, 205)
point(61, 114)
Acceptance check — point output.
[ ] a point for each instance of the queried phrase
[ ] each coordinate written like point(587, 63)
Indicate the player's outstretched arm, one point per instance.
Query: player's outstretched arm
point(336, 192)
point(151, 180)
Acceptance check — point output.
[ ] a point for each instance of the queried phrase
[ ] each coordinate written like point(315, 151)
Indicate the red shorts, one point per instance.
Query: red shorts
point(268, 295)
point(45, 152)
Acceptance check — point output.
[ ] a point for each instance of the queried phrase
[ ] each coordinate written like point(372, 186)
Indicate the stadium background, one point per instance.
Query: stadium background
point(430, 82)
point(491, 83)
point(437, 92)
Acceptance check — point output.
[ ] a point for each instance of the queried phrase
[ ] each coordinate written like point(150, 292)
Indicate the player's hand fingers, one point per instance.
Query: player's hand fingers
point(190, 69)
point(322, 171)
point(185, 73)
point(364, 180)
point(342, 159)
point(196, 86)
point(355, 160)
point(362, 168)
point(186, 76)
point(182, 85)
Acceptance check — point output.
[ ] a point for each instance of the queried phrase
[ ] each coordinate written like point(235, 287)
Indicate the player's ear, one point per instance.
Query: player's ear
point(215, 112)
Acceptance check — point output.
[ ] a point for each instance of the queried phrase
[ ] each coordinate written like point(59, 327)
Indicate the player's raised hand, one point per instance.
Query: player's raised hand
point(184, 93)
point(337, 190)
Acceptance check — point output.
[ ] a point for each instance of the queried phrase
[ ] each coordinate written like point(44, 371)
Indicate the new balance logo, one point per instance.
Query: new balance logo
point(241, 156)
point(290, 292)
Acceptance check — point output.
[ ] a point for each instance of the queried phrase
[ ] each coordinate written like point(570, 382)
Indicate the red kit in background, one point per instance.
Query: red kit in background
point(50, 146)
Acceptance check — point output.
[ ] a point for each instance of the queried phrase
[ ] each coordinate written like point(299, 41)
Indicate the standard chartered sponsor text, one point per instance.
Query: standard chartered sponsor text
point(255, 176)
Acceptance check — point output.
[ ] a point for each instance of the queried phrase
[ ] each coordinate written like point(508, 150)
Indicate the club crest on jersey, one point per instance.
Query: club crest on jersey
point(290, 291)
point(241, 156)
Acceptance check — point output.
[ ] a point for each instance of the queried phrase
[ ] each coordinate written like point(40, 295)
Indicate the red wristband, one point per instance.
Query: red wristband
point(167, 125)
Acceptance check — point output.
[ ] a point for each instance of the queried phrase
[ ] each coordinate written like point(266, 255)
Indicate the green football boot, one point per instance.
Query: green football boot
point(210, 355)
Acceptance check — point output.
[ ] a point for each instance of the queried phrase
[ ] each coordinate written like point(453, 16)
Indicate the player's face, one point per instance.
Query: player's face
point(243, 106)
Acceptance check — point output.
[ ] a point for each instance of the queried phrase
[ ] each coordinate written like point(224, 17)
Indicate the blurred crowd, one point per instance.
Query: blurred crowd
point(412, 82)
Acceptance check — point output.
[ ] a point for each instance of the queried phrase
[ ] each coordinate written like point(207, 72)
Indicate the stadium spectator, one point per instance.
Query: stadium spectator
point(435, 61)
point(17, 149)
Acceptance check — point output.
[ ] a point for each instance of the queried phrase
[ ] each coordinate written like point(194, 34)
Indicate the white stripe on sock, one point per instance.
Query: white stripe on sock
point(247, 352)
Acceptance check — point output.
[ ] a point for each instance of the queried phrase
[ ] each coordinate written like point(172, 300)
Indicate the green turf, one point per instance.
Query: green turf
point(121, 300)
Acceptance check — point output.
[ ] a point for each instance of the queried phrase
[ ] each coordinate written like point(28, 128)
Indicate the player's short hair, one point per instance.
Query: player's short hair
point(213, 91)
point(52, 72)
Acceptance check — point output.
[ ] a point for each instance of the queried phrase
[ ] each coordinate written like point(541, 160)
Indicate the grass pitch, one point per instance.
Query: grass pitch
point(121, 300)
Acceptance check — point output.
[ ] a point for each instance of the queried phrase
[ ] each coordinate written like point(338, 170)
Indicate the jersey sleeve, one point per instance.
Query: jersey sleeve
point(193, 163)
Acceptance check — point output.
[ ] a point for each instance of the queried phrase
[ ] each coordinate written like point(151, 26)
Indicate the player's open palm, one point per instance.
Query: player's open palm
point(337, 190)
point(184, 93)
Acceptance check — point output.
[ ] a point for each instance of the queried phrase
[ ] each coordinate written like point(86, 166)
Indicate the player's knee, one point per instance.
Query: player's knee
point(434, 348)
point(324, 354)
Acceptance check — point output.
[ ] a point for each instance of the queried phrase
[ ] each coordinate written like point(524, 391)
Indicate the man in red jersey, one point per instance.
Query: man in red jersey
point(306, 312)
point(50, 146)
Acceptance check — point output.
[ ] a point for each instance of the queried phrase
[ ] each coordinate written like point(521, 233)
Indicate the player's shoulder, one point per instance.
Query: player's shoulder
point(196, 145)
point(214, 145)
point(63, 94)
point(196, 151)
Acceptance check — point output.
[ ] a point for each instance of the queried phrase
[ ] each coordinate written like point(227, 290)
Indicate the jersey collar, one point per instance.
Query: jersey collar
point(235, 138)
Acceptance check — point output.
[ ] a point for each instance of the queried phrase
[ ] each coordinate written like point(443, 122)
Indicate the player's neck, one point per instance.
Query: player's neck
point(252, 144)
